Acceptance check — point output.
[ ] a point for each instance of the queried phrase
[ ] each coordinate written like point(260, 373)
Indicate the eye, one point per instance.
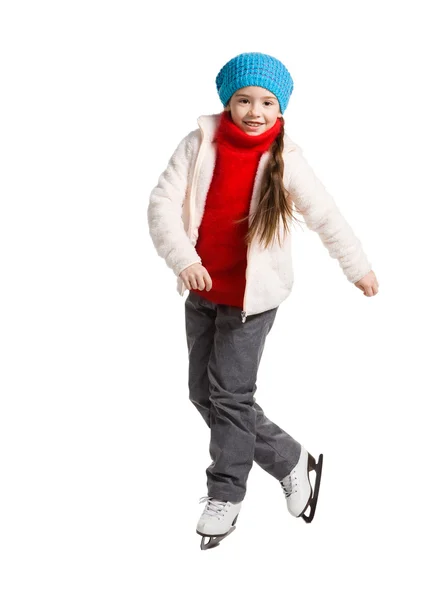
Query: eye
point(246, 100)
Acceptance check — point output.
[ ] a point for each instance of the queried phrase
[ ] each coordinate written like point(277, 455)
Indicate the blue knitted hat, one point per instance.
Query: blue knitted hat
point(254, 68)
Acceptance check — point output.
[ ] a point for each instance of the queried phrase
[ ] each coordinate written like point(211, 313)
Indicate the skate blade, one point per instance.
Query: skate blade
point(313, 500)
point(214, 540)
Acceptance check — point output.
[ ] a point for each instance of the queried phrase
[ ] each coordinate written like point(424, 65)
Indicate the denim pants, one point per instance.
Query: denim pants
point(224, 355)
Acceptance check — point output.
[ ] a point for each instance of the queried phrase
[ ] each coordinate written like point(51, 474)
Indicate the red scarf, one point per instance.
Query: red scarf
point(220, 243)
point(230, 134)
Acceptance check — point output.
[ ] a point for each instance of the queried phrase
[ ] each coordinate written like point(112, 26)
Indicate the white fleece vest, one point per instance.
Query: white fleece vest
point(177, 204)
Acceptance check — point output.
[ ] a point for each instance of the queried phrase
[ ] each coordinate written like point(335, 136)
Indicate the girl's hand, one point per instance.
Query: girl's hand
point(368, 284)
point(196, 277)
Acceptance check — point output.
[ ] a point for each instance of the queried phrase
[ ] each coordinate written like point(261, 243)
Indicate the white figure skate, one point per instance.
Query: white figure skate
point(297, 486)
point(217, 521)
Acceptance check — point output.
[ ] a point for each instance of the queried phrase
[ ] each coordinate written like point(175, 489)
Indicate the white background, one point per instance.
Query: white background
point(102, 455)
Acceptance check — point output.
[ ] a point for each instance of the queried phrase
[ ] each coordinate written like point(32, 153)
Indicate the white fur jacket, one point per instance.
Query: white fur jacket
point(177, 203)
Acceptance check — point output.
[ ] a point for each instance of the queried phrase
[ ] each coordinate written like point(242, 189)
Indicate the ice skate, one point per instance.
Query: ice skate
point(217, 521)
point(297, 486)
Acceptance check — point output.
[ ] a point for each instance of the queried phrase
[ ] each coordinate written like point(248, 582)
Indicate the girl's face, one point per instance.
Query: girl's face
point(254, 104)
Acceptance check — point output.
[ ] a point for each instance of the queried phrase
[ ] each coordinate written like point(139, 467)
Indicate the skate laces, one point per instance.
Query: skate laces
point(287, 484)
point(213, 507)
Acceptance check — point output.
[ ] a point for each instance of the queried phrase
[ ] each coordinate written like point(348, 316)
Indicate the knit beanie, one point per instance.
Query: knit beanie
point(254, 68)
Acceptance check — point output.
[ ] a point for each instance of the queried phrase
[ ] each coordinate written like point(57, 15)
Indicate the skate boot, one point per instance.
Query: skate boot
point(217, 521)
point(297, 486)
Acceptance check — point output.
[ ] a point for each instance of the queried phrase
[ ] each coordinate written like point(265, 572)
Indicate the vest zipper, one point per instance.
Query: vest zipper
point(243, 312)
point(251, 208)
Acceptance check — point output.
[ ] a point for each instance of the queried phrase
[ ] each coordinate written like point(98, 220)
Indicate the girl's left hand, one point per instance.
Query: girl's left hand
point(368, 284)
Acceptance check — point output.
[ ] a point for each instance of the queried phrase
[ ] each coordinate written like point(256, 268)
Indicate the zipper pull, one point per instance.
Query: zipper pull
point(243, 316)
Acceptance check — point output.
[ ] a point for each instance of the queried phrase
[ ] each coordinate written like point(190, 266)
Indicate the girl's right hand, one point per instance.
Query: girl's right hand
point(196, 277)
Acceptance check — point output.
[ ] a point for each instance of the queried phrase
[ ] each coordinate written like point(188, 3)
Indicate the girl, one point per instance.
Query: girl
point(220, 217)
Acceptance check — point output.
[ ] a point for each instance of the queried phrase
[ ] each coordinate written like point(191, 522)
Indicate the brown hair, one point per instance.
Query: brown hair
point(274, 201)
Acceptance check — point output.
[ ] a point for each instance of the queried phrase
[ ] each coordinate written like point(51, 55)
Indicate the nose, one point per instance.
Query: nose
point(254, 112)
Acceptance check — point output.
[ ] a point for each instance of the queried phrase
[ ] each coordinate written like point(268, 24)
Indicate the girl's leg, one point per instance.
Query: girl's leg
point(275, 451)
point(200, 330)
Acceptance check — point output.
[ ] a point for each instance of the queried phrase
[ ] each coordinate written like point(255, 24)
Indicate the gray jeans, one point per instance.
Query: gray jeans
point(224, 356)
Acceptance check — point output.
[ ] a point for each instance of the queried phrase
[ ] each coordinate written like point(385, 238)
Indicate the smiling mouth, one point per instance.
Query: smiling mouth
point(252, 123)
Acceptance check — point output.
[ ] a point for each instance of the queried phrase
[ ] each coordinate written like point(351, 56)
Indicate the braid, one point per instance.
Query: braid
point(274, 203)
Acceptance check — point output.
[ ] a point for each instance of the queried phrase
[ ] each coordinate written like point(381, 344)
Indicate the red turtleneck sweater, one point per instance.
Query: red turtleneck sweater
point(221, 244)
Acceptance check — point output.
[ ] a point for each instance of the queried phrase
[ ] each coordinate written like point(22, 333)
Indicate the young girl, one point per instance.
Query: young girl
point(220, 217)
